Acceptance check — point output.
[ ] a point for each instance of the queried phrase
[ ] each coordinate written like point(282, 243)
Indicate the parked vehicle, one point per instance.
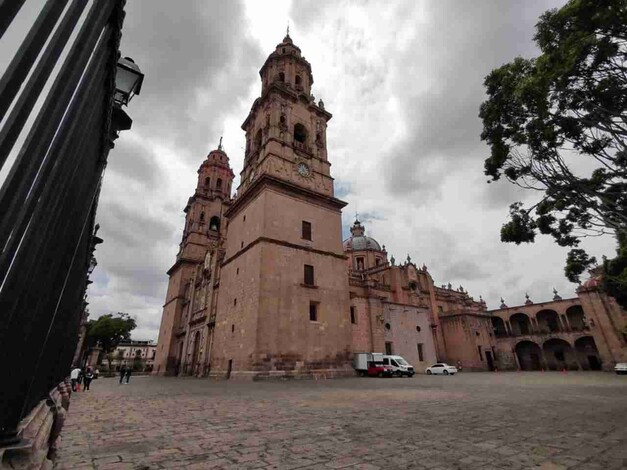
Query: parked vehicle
point(371, 364)
point(441, 369)
point(621, 368)
point(361, 361)
point(400, 367)
point(378, 369)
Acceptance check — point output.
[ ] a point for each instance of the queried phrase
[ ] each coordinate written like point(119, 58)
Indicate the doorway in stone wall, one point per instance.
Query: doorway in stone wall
point(594, 362)
point(489, 360)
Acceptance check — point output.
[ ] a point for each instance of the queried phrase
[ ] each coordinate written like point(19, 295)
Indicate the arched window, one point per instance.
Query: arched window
point(300, 133)
point(219, 183)
point(202, 216)
point(258, 140)
point(207, 181)
point(282, 120)
point(281, 77)
point(299, 81)
point(214, 223)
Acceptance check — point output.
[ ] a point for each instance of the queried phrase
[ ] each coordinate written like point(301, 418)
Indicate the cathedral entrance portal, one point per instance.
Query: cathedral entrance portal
point(195, 352)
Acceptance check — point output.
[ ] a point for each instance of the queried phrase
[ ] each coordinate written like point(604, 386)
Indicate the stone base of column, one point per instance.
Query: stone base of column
point(38, 434)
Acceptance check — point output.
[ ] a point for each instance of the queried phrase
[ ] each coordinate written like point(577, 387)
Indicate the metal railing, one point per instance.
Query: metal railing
point(48, 199)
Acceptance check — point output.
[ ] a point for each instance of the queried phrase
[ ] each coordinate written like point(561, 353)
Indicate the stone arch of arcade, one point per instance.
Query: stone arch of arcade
point(548, 321)
point(559, 355)
point(576, 318)
point(587, 353)
point(520, 324)
point(498, 326)
point(529, 355)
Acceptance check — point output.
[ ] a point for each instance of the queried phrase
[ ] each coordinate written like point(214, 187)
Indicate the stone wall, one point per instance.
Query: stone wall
point(409, 327)
point(38, 433)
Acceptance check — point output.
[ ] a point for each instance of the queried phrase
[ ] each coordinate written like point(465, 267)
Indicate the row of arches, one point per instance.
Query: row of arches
point(544, 321)
point(558, 354)
point(218, 183)
point(300, 136)
point(298, 81)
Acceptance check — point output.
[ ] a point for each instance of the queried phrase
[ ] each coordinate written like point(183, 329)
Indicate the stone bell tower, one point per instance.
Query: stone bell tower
point(204, 226)
point(284, 302)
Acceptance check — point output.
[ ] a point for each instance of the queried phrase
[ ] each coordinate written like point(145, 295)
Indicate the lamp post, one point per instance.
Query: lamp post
point(128, 83)
point(92, 265)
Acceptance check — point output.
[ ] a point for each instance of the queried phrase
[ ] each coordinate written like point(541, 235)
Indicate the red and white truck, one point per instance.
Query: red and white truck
point(371, 364)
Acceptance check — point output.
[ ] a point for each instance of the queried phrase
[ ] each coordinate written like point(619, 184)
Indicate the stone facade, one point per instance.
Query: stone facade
point(134, 353)
point(263, 285)
point(581, 333)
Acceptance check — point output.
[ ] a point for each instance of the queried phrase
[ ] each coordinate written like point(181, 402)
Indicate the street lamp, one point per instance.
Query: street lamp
point(92, 265)
point(128, 81)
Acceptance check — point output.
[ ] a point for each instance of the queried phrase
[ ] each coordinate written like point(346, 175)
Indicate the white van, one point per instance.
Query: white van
point(399, 366)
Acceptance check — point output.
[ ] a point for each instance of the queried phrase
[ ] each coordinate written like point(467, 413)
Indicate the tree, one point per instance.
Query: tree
point(557, 124)
point(109, 330)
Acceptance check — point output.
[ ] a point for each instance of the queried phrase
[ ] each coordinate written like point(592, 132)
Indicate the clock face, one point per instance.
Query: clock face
point(303, 169)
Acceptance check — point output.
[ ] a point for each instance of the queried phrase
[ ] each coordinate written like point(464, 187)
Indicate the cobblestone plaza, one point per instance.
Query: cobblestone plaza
point(471, 420)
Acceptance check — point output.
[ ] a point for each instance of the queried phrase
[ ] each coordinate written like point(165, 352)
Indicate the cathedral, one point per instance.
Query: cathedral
point(263, 285)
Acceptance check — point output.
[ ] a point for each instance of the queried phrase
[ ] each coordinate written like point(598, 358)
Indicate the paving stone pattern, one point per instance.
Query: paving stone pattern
point(471, 420)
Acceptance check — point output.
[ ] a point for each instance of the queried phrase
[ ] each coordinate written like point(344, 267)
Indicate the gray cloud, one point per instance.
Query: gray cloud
point(465, 269)
point(404, 140)
point(199, 64)
point(465, 41)
point(197, 59)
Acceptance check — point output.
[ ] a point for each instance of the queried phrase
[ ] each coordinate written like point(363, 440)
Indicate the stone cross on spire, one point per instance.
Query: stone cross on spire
point(220, 144)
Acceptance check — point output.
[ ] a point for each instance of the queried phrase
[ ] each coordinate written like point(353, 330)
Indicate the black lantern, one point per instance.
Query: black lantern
point(128, 81)
point(92, 265)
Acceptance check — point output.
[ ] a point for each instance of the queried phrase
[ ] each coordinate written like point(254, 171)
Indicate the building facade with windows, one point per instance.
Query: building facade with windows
point(140, 355)
point(264, 286)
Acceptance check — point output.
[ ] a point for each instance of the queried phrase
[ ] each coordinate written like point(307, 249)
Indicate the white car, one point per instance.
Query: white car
point(441, 368)
point(400, 366)
point(620, 368)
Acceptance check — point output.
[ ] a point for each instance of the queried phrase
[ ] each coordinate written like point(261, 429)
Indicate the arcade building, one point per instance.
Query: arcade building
point(263, 285)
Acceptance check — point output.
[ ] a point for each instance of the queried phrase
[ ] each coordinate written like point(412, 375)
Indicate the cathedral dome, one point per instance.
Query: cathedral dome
point(358, 241)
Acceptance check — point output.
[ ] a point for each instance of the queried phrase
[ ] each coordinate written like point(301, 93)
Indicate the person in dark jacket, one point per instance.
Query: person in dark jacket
point(87, 378)
point(122, 372)
point(128, 374)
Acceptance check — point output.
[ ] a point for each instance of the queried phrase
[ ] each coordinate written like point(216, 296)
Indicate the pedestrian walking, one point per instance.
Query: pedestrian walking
point(122, 373)
point(128, 373)
point(89, 375)
point(74, 374)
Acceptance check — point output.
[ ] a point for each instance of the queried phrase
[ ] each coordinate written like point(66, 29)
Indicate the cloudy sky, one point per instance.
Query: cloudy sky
point(403, 80)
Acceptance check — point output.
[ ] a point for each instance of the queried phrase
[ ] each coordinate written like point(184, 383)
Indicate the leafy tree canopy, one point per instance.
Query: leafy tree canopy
point(557, 124)
point(109, 330)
